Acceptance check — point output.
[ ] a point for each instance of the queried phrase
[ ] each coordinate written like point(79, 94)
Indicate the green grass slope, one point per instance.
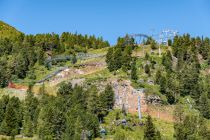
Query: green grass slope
point(7, 31)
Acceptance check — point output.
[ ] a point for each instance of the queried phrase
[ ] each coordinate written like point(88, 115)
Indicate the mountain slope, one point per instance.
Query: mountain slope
point(7, 31)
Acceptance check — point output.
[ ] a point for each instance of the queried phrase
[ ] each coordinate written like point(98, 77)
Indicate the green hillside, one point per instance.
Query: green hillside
point(7, 31)
point(74, 86)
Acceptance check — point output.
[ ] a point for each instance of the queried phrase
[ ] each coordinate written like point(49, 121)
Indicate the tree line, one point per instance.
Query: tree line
point(119, 56)
point(19, 54)
point(75, 111)
point(182, 75)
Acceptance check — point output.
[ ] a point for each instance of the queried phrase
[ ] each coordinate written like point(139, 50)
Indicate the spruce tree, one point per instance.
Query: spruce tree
point(109, 96)
point(126, 59)
point(74, 59)
point(13, 118)
point(150, 132)
point(153, 45)
point(117, 58)
point(30, 114)
point(78, 130)
point(109, 57)
point(147, 70)
point(134, 71)
point(3, 104)
point(204, 105)
point(178, 113)
point(51, 122)
point(93, 100)
point(167, 61)
point(147, 56)
point(158, 77)
point(4, 75)
point(65, 89)
point(163, 84)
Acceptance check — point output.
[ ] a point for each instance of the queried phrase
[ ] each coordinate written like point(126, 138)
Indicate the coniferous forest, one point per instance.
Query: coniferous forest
point(57, 108)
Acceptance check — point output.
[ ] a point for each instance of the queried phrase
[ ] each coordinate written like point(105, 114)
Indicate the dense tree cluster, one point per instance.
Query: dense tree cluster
point(182, 75)
point(120, 56)
point(189, 126)
point(78, 42)
point(19, 54)
point(73, 113)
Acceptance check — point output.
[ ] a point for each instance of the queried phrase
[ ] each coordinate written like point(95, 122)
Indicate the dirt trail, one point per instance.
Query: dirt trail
point(75, 73)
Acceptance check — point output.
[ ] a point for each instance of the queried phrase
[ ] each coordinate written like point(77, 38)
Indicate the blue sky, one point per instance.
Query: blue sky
point(107, 18)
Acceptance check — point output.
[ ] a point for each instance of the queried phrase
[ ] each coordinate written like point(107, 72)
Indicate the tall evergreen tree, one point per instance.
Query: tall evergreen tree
point(126, 58)
point(147, 69)
point(204, 105)
point(13, 118)
point(109, 57)
point(134, 71)
point(93, 100)
point(150, 132)
point(30, 114)
point(51, 122)
point(167, 61)
point(3, 105)
point(117, 58)
point(158, 77)
point(74, 59)
point(78, 129)
point(187, 130)
point(108, 97)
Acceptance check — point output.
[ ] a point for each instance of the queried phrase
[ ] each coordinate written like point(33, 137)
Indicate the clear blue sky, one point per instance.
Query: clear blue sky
point(107, 18)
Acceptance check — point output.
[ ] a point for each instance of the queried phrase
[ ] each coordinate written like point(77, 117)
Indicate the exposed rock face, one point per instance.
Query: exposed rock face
point(127, 95)
point(151, 104)
point(153, 99)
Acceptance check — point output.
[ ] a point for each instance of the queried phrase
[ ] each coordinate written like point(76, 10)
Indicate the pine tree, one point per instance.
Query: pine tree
point(117, 59)
point(185, 129)
point(147, 69)
point(78, 130)
point(109, 96)
point(158, 77)
point(153, 45)
point(126, 58)
point(204, 105)
point(3, 104)
point(167, 61)
point(74, 59)
point(4, 75)
point(109, 57)
point(147, 56)
point(106, 102)
point(134, 71)
point(173, 88)
point(169, 42)
point(30, 114)
point(203, 131)
point(163, 84)
point(93, 100)
point(189, 77)
point(178, 113)
point(13, 118)
point(150, 132)
point(51, 122)
point(65, 89)
point(42, 90)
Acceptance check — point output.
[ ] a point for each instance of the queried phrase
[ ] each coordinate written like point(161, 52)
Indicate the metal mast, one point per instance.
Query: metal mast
point(139, 107)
